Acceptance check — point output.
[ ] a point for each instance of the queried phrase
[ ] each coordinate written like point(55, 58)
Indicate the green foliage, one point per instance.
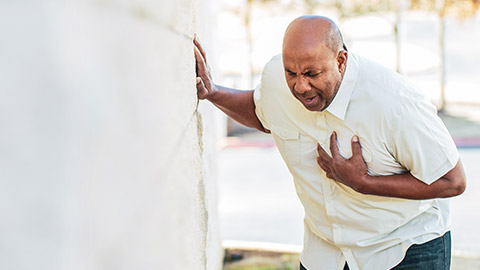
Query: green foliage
point(460, 9)
point(258, 260)
point(353, 8)
point(265, 267)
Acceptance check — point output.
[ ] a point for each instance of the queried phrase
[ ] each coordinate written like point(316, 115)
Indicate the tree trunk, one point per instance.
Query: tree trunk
point(248, 30)
point(441, 40)
point(399, 35)
point(310, 6)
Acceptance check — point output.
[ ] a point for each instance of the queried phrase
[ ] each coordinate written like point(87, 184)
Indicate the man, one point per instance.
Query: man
point(369, 156)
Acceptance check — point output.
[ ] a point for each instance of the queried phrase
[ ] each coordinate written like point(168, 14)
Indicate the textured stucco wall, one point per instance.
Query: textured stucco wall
point(104, 160)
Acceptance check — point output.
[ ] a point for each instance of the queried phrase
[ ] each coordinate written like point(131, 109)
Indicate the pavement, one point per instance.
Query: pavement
point(258, 202)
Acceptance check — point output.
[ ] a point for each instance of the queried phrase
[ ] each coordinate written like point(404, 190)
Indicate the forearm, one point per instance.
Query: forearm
point(238, 105)
point(405, 186)
point(408, 187)
point(353, 173)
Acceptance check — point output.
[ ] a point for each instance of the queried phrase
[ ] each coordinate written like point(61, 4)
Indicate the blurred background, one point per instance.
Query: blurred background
point(109, 161)
point(433, 43)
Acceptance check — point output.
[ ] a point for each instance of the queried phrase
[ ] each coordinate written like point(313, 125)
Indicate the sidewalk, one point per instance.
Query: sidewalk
point(463, 123)
point(256, 255)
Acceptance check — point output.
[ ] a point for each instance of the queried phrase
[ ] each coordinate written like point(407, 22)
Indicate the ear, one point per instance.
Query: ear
point(342, 60)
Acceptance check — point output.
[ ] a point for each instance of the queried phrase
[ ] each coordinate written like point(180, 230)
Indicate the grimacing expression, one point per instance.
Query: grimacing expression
point(314, 75)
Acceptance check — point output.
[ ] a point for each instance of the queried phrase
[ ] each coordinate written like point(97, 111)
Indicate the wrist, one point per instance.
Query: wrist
point(213, 93)
point(364, 185)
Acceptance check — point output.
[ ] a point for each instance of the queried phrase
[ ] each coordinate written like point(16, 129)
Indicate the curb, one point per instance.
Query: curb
point(467, 142)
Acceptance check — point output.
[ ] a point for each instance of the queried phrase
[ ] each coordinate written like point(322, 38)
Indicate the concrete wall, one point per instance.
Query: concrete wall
point(105, 161)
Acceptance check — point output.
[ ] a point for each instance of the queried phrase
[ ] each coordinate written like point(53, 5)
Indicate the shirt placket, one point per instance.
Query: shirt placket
point(332, 205)
point(327, 185)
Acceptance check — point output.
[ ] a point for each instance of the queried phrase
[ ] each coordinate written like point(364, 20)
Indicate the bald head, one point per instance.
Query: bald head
point(314, 61)
point(308, 32)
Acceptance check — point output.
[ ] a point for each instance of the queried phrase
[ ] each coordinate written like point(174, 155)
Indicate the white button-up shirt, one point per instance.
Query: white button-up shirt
point(399, 132)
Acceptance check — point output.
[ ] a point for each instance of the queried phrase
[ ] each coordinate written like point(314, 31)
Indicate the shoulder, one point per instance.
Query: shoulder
point(385, 88)
point(273, 82)
point(273, 72)
point(387, 97)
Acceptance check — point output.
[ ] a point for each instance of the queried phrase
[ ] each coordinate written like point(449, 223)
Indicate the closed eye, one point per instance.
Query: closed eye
point(312, 74)
point(290, 73)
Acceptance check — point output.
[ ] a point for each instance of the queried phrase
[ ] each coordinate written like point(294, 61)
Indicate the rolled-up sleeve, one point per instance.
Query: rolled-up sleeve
point(257, 98)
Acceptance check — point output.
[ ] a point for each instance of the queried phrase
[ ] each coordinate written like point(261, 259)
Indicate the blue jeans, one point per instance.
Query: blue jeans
point(432, 255)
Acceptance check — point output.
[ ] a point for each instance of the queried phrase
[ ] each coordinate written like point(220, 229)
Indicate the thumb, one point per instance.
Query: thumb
point(201, 89)
point(356, 147)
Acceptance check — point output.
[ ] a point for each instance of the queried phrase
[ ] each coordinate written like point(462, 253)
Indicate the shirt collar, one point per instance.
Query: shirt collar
point(340, 102)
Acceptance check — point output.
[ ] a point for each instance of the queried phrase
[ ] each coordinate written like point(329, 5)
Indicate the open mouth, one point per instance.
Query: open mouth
point(310, 100)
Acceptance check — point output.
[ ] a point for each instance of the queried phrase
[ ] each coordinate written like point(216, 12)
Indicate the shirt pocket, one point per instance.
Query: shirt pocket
point(288, 143)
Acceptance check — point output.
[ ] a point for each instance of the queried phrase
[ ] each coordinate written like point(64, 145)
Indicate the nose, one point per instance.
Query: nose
point(302, 85)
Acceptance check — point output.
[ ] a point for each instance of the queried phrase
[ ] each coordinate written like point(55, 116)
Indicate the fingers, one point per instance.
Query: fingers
point(204, 79)
point(324, 161)
point(356, 147)
point(322, 153)
point(199, 47)
point(325, 167)
point(333, 145)
point(201, 89)
point(200, 61)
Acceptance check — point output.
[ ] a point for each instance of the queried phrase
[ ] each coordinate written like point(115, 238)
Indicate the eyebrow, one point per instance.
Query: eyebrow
point(311, 70)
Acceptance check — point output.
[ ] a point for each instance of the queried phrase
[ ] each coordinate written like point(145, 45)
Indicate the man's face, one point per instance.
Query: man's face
point(314, 75)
